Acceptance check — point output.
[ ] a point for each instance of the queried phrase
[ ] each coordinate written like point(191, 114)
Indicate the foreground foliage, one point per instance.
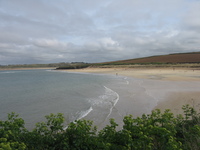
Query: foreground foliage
point(155, 131)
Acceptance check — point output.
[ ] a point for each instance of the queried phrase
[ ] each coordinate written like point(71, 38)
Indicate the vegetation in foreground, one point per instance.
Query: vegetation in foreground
point(155, 131)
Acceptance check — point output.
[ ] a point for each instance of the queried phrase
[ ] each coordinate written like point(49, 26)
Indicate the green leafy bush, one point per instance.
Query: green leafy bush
point(155, 131)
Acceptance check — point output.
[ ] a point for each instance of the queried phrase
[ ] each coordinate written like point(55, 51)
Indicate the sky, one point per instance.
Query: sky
point(51, 31)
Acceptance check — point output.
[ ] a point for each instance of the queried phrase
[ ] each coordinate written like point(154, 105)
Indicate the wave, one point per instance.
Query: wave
point(103, 105)
point(81, 115)
point(8, 72)
point(113, 101)
point(100, 109)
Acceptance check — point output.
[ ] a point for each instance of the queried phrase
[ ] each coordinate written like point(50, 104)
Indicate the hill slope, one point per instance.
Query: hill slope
point(171, 58)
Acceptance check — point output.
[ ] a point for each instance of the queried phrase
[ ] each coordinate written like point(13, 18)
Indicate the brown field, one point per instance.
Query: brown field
point(171, 58)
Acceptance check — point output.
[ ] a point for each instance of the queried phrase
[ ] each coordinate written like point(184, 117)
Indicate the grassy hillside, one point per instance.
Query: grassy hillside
point(161, 59)
point(191, 60)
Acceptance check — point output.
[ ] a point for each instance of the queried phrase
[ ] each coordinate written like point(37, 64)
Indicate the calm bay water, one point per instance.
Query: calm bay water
point(35, 93)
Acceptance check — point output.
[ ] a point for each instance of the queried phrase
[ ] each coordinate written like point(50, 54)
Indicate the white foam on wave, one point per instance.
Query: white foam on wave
point(81, 115)
point(8, 72)
point(103, 105)
point(126, 80)
point(114, 101)
point(84, 113)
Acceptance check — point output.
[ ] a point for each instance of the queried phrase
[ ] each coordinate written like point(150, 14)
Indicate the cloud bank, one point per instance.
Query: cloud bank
point(41, 31)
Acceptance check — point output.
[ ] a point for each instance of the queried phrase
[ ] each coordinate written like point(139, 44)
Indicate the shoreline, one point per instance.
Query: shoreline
point(168, 74)
point(172, 88)
point(176, 100)
point(4, 69)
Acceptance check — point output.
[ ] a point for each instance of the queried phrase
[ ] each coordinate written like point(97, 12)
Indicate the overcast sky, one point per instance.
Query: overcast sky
point(48, 31)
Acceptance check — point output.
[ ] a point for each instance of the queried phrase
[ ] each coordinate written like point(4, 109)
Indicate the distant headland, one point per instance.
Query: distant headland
point(180, 60)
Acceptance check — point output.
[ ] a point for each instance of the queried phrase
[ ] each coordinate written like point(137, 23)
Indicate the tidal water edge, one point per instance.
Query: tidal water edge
point(35, 93)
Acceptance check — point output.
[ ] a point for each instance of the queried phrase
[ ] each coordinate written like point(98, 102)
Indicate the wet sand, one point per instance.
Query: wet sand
point(147, 89)
point(164, 74)
point(176, 100)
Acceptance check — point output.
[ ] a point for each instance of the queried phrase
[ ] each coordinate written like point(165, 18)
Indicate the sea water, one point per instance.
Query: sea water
point(34, 94)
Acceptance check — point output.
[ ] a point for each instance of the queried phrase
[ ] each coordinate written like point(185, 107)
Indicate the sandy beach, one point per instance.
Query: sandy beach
point(165, 88)
point(169, 74)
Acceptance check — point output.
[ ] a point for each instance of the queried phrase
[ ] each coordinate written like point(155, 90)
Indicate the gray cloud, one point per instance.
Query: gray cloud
point(95, 31)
